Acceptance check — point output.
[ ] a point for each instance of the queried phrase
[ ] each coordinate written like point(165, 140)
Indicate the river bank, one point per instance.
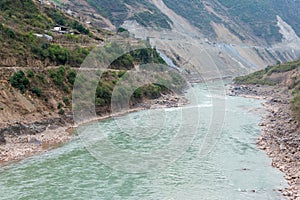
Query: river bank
point(280, 137)
point(21, 140)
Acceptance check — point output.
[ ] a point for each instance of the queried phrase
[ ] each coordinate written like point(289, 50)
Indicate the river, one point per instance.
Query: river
point(205, 150)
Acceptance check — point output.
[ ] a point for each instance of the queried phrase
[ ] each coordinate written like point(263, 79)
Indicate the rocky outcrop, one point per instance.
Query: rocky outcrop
point(19, 128)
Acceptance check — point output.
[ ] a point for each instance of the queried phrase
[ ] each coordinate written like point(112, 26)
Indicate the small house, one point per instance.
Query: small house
point(60, 29)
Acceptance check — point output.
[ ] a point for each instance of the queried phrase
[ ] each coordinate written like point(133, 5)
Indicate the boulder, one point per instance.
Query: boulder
point(2, 138)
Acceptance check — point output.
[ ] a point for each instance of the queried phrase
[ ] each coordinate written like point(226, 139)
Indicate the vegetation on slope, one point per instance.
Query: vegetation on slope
point(45, 83)
point(140, 56)
point(117, 11)
point(25, 16)
point(49, 80)
point(286, 74)
point(195, 12)
point(21, 21)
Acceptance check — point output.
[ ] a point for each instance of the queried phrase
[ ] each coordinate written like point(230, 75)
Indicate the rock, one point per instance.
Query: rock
point(35, 141)
point(2, 139)
point(297, 175)
point(245, 169)
point(286, 193)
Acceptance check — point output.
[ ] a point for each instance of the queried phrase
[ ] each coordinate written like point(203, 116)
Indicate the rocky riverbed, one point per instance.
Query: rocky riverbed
point(22, 139)
point(280, 132)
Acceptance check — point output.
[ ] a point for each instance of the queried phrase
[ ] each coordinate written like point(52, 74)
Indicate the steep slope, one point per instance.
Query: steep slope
point(112, 14)
point(39, 65)
point(225, 55)
point(27, 38)
point(256, 21)
point(246, 19)
point(30, 52)
point(285, 75)
point(207, 39)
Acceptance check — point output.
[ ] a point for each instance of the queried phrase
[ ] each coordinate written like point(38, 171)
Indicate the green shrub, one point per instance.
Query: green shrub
point(60, 105)
point(36, 90)
point(138, 93)
point(30, 73)
point(10, 33)
point(99, 102)
point(61, 111)
point(20, 81)
point(104, 92)
point(152, 91)
point(41, 78)
point(58, 76)
point(71, 76)
point(65, 88)
point(121, 73)
point(121, 29)
point(66, 100)
point(80, 28)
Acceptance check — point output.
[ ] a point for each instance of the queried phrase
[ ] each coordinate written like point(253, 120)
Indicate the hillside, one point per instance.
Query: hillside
point(247, 20)
point(240, 36)
point(112, 14)
point(30, 52)
point(39, 65)
point(286, 75)
point(27, 39)
point(142, 11)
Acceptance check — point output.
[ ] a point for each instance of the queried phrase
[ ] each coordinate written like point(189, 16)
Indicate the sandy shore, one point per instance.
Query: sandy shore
point(280, 133)
point(24, 142)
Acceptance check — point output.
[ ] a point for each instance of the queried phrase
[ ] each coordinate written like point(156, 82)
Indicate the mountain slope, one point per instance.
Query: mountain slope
point(39, 65)
point(285, 75)
point(249, 20)
point(27, 39)
point(116, 12)
point(207, 39)
point(244, 18)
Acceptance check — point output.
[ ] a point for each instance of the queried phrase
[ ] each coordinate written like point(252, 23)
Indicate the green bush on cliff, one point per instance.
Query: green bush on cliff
point(139, 56)
point(71, 76)
point(61, 111)
point(37, 91)
point(20, 81)
point(30, 73)
point(58, 76)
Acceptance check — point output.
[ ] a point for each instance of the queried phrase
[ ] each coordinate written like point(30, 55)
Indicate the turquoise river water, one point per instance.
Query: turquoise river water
point(205, 150)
